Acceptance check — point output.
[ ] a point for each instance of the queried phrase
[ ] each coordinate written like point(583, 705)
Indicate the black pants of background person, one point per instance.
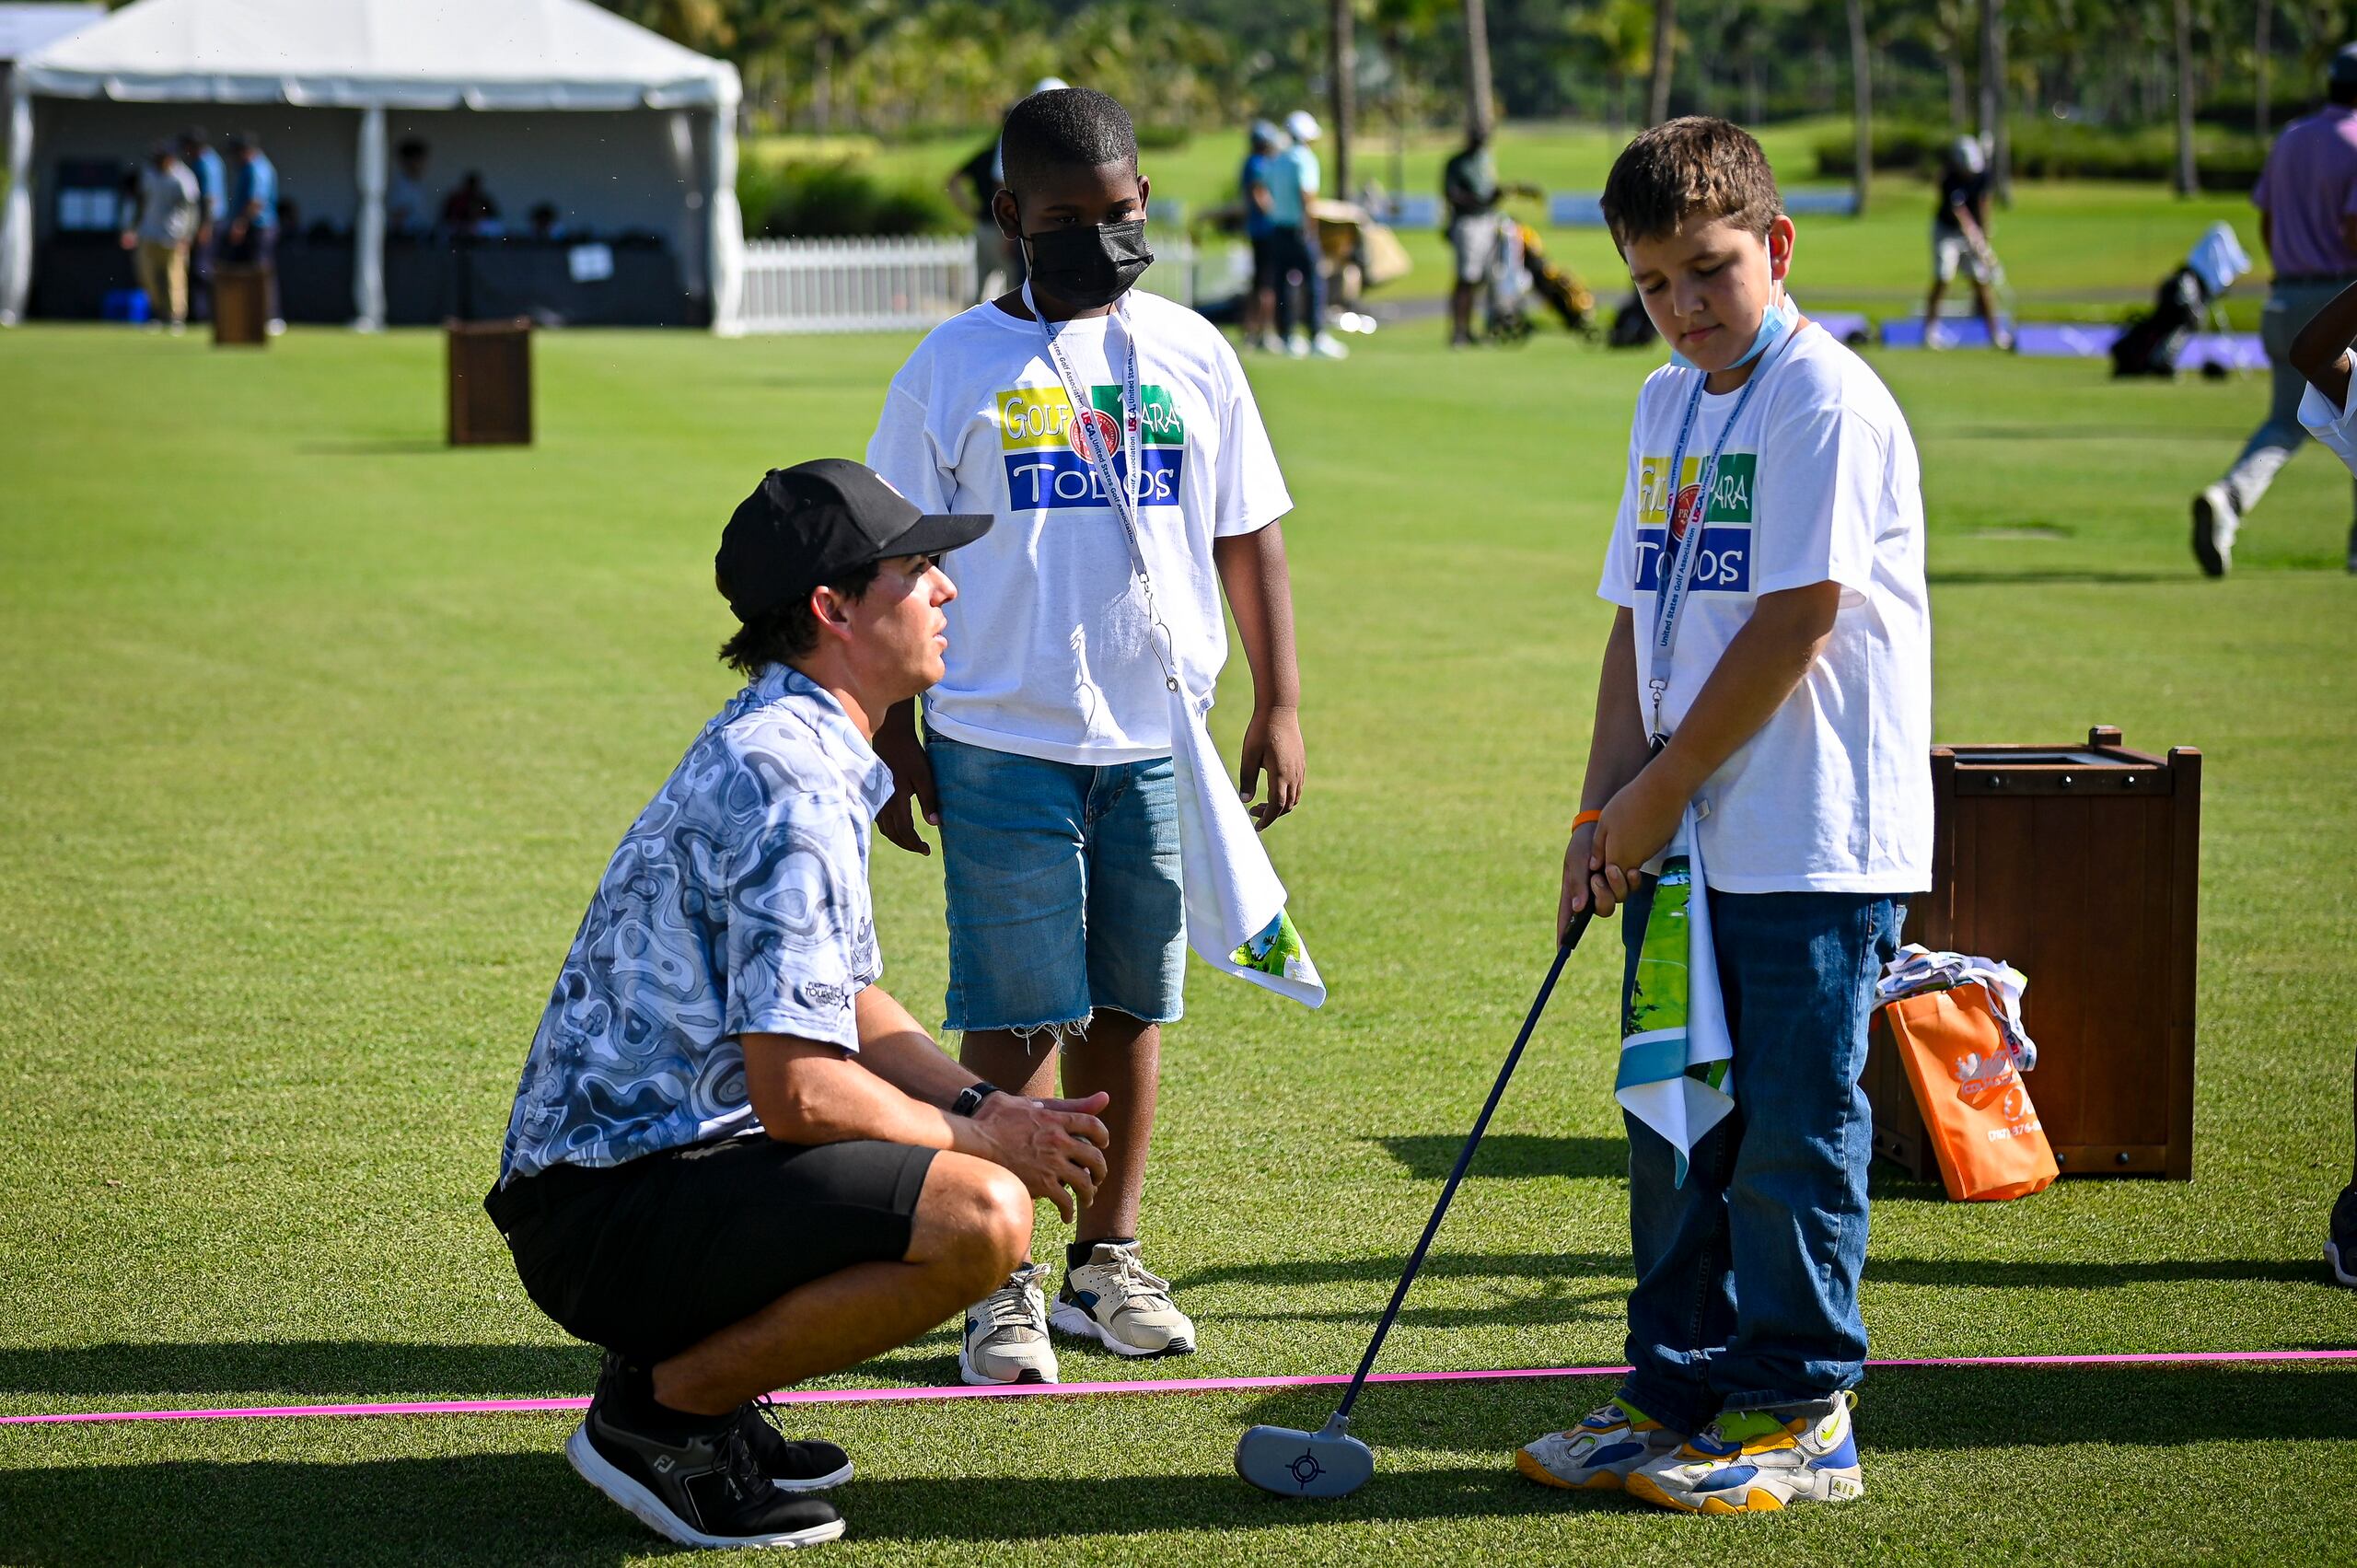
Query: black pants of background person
point(1289, 251)
point(202, 256)
point(649, 1256)
point(260, 248)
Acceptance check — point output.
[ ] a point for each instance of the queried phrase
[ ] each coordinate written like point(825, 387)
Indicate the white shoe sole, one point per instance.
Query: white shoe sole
point(817, 1483)
point(593, 1469)
point(1070, 1319)
point(1030, 1377)
point(1768, 1492)
point(2332, 1256)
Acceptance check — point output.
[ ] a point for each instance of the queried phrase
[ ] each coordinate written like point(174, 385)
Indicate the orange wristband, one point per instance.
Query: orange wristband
point(1584, 817)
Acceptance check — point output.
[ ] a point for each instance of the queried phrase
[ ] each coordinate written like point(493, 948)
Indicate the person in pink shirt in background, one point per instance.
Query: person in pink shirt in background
point(2306, 198)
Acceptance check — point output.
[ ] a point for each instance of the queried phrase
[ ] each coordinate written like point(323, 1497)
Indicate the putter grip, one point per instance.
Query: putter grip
point(1464, 1161)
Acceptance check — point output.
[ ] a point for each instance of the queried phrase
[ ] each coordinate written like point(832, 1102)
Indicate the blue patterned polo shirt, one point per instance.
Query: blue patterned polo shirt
point(738, 903)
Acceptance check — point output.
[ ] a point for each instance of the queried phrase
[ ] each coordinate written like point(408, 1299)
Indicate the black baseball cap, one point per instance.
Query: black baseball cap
point(2343, 71)
point(813, 522)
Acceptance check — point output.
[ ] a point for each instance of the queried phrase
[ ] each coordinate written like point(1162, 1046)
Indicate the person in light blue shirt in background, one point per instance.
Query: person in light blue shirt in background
point(253, 216)
point(212, 192)
point(1293, 183)
point(1252, 182)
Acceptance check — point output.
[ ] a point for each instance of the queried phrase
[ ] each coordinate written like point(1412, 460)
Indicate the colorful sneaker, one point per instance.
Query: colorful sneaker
point(2340, 1248)
point(2214, 526)
point(1759, 1461)
point(695, 1486)
point(1006, 1334)
point(1113, 1300)
point(1598, 1454)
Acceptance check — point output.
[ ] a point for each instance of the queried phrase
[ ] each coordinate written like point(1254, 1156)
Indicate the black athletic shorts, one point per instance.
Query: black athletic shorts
point(650, 1256)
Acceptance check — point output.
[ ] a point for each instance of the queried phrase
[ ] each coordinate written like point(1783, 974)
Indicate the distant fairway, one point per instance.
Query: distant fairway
point(2075, 250)
point(317, 735)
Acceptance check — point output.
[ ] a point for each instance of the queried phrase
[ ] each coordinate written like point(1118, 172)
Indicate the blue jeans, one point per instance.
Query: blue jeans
point(1747, 1293)
point(1063, 891)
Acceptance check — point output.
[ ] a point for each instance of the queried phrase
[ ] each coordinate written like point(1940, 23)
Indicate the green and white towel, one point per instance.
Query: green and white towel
point(1675, 1050)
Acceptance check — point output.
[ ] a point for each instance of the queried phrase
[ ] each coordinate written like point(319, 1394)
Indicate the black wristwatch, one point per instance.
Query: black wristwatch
point(969, 1098)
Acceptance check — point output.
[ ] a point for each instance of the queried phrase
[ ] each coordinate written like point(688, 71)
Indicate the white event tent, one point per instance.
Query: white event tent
point(612, 117)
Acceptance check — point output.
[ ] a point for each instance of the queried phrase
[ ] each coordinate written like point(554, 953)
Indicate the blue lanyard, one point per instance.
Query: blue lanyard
point(1680, 554)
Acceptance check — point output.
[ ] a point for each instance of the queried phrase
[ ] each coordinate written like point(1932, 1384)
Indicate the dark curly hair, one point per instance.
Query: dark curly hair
point(789, 631)
point(1064, 128)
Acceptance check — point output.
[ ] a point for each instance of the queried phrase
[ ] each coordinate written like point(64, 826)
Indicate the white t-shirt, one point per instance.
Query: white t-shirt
point(1820, 483)
point(2337, 428)
point(1050, 654)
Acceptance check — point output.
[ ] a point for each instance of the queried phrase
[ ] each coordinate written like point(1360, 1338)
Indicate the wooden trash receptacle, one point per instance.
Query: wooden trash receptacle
point(2078, 865)
point(240, 307)
point(491, 383)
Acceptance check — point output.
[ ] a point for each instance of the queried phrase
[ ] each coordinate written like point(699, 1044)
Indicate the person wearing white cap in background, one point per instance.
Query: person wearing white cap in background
point(1294, 182)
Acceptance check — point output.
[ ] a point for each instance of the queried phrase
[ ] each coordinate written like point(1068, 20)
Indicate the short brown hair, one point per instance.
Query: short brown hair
point(1696, 167)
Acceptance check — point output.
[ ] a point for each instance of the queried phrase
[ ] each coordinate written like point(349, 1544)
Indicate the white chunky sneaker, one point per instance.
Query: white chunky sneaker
point(1760, 1461)
point(1599, 1453)
point(1113, 1300)
point(2216, 523)
point(1326, 345)
point(1006, 1334)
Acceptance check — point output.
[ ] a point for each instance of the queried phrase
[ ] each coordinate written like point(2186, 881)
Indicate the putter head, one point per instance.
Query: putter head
point(1286, 1463)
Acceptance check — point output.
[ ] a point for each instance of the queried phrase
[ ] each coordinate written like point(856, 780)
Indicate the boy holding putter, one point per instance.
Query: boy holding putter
point(1046, 757)
point(1767, 681)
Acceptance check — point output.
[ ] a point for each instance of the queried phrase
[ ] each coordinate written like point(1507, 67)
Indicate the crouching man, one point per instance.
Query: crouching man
point(734, 1162)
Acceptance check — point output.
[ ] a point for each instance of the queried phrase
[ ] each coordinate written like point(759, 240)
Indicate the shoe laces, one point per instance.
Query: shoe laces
point(740, 1471)
point(1139, 1287)
point(1015, 1305)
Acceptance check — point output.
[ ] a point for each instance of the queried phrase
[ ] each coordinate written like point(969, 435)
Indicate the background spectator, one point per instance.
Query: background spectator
point(159, 238)
point(253, 216)
point(212, 194)
point(409, 211)
point(468, 211)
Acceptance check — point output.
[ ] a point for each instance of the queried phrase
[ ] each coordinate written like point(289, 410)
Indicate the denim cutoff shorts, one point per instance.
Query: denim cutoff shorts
point(1063, 891)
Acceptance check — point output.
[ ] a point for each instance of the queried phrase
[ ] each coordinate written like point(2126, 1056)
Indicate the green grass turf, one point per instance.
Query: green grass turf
point(317, 736)
point(2075, 250)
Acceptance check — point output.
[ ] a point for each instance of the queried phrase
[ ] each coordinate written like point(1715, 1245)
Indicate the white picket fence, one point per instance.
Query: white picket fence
point(891, 286)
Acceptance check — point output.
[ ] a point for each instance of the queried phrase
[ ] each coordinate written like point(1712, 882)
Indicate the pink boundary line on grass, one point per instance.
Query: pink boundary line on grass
point(1161, 1385)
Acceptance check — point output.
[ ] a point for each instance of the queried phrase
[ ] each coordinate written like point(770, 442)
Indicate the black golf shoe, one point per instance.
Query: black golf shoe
point(806, 1466)
point(698, 1486)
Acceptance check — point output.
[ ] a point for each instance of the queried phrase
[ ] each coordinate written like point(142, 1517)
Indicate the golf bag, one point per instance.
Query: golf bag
point(1560, 288)
point(1508, 286)
point(2151, 342)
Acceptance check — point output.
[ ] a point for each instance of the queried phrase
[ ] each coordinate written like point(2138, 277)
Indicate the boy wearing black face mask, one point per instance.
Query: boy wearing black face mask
point(1046, 762)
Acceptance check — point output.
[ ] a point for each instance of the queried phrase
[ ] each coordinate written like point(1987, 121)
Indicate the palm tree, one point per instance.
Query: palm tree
point(1862, 100)
point(1664, 48)
point(1992, 98)
point(1619, 33)
point(1476, 67)
point(2187, 177)
point(1342, 71)
point(2263, 44)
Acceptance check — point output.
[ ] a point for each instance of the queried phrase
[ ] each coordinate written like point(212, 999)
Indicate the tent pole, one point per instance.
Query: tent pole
point(17, 221)
point(725, 253)
point(369, 224)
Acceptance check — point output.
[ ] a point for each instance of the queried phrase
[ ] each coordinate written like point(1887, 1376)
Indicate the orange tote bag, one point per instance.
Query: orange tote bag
point(1975, 1108)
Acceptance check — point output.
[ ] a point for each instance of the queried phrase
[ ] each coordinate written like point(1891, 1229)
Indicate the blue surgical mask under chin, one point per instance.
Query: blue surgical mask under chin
point(1780, 317)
